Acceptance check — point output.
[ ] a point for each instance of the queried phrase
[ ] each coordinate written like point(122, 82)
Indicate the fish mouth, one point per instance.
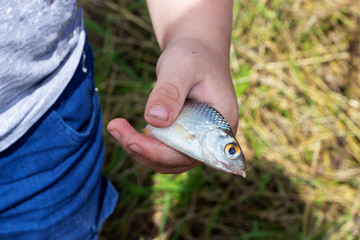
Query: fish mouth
point(233, 169)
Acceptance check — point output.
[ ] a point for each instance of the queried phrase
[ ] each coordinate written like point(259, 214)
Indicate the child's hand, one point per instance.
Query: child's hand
point(194, 64)
point(186, 68)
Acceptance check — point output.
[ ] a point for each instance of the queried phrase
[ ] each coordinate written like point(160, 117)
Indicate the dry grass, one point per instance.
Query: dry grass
point(296, 70)
point(302, 103)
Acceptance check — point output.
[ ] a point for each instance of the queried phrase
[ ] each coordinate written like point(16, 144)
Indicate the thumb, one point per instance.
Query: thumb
point(176, 76)
point(165, 102)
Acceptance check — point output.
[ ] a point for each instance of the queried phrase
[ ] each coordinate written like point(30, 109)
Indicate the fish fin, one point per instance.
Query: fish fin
point(183, 132)
point(146, 131)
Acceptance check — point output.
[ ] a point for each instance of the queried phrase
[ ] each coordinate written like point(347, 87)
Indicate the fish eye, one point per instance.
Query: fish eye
point(232, 151)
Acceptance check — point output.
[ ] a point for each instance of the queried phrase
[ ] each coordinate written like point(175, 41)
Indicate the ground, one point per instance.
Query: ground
point(296, 70)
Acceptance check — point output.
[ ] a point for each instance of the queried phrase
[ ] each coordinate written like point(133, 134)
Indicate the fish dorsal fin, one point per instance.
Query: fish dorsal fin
point(183, 132)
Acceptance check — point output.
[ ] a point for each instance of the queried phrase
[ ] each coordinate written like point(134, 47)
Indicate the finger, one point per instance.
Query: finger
point(164, 168)
point(157, 152)
point(175, 79)
point(148, 151)
point(121, 130)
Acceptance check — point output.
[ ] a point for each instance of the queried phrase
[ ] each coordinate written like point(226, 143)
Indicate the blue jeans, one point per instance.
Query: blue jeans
point(51, 185)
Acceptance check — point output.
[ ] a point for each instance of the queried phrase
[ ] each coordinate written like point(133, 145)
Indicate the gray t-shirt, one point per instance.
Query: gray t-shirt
point(41, 43)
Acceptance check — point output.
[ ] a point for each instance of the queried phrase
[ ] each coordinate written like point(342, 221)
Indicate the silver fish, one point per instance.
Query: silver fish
point(202, 133)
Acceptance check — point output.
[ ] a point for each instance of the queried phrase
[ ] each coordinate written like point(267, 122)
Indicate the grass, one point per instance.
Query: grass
point(295, 67)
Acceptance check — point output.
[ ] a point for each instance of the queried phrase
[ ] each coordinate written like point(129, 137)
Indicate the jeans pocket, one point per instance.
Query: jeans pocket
point(79, 126)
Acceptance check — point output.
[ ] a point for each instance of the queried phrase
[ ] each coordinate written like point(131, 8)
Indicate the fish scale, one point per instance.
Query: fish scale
point(211, 116)
point(202, 133)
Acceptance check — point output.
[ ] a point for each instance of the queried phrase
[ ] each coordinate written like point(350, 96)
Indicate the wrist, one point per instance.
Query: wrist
point(192, 47)
point(210, 22)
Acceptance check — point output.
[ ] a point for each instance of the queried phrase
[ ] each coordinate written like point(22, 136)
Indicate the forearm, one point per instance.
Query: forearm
point(208, 21)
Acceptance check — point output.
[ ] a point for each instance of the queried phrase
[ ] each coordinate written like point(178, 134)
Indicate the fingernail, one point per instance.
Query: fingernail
point(158, 112)
point(135, 148)
point(115, 134)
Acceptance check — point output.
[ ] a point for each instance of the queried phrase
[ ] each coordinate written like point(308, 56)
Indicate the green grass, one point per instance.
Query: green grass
point(295, 67)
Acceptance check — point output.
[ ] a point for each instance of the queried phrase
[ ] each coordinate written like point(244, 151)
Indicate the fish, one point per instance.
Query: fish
point(202, 133)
